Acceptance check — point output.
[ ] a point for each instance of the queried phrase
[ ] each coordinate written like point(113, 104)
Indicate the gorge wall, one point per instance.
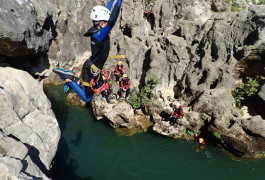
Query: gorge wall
point(200, 49)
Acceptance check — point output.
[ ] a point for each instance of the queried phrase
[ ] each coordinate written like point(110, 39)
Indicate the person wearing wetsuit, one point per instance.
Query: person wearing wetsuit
point(119, 71)
point(176, 114)
point(104, 21)
point(125, 84)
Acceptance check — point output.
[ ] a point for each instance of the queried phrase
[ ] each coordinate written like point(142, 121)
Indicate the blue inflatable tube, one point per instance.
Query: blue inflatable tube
point(79, 91)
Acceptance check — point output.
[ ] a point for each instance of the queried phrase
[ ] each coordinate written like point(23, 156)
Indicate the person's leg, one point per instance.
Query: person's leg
point(88, 91)
point(117, 77)
point(119, 93)
point(106, 96)
point(128, 91)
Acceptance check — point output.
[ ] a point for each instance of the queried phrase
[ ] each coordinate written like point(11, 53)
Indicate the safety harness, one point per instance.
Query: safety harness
point(95, 71)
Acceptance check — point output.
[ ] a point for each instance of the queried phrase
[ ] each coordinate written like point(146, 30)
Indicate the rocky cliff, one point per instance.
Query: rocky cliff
point(29, 132)
point(200, 49)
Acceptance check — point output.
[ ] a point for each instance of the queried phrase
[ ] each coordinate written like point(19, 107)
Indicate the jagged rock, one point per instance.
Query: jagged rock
point(27, 122)
point(26, 27)
point(255, 125)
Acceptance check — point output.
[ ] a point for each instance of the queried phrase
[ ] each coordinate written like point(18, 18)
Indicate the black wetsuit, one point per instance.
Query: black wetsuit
point(100, 47)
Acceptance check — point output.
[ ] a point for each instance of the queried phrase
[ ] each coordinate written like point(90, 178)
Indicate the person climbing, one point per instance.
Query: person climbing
point(107, 88)
point(119, 71)
point(125, 84)
point(200, 141)
point(176, 114)
point(103, 21)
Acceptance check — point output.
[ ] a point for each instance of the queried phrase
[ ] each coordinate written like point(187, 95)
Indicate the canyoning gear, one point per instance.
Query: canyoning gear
point(100, 45)
point(116, 57)
point(200, 140)
point(100, 13)
point(176, 115)
point(119, 71)
point(125, 84)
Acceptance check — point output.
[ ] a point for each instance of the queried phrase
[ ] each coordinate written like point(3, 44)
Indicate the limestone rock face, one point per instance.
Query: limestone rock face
point(27, 26)
point(29, 130)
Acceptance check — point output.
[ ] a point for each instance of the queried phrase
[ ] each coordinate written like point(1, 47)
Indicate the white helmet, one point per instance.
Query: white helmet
point(100, 13)
point(178, 104)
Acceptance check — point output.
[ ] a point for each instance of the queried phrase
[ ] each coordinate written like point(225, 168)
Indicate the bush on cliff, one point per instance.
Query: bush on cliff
point(248, 89)
point(142, 98)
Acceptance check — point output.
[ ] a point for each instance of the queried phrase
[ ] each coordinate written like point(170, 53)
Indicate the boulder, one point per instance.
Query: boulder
point(27, 122)
point(255, 126)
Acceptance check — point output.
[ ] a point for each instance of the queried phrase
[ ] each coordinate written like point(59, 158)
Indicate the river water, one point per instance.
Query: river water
point(90, 149)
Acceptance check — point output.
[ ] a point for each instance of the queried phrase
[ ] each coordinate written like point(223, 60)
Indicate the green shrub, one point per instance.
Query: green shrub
point(142, 99)
point(217, 135)
point(248, 89)
point(154, 80)
point(147, 2)
point(190, 133)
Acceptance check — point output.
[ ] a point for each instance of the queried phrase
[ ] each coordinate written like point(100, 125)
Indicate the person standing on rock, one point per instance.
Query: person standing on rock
point(125, 84)
point(119, 71)
point(104, 20)
point(176, 114)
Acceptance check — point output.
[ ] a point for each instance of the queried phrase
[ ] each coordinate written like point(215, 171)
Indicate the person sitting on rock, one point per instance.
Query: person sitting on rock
point(176, 114)
point(125, 84)
point(119, 71)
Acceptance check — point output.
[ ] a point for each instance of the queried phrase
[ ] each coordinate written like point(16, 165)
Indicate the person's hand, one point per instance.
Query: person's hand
point(68, 80)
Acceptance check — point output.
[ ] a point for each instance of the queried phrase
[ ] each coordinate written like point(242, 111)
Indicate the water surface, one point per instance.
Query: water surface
point(90, 149)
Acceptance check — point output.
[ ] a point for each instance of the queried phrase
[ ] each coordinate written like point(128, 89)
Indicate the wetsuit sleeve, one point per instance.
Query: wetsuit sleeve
point(100, 35)
point(109, 5)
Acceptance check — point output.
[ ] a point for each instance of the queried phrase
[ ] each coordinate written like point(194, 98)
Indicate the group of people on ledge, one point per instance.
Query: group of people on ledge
point(121, 78)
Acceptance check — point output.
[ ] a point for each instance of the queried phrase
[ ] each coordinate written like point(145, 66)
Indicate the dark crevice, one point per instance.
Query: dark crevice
point(203, 78)
point(214, 84)
point(127, 31)
point(150, 18)
point(146, 66)
point(255, 105)
point(196, 99)
point(252, 38)
point(214, 52)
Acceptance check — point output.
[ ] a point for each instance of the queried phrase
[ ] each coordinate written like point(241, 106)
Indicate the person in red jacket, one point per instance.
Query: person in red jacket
point(176, 114)
point(119, 71)
point(200, 141)
point(125, 84)
point(106, 91)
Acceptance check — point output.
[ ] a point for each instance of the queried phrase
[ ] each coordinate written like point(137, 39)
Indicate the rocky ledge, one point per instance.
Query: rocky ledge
point(29, 132)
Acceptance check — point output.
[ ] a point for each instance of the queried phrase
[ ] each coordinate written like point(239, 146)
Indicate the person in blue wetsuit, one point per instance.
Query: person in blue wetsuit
point(104, 20)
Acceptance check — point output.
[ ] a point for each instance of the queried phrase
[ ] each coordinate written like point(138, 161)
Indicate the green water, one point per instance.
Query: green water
point(90, 149)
